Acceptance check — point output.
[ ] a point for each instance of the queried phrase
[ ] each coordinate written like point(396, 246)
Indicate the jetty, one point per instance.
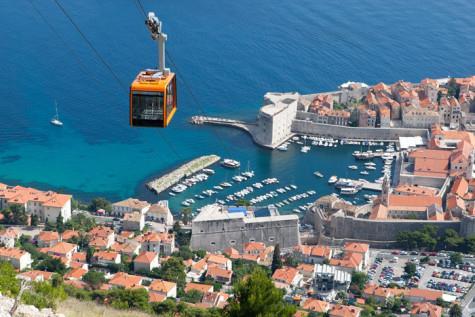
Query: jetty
point(160, 184)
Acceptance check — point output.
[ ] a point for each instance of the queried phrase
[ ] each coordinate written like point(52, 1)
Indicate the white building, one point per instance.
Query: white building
point(20, 259)
point(129, 205)
point(134, 221)
point(160, 212)
point(275, 118)
point(46, 205)
point(146, 261)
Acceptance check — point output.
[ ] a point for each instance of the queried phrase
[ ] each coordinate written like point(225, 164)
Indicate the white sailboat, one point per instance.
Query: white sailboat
point(55, 120)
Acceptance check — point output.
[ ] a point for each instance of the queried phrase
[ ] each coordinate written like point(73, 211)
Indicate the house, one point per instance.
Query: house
point(47, 205)
point(351, 261)
point(423, 295)
point(219, 260)
point(316, 305)
point(8, 237)
point(426, 310)
point(75, 274)
point(126, 281)
point(102, 238)
point(287, 277)
point(307, 270)
point(68, 235)
point(361, 248)
point(344, 311)
point(124, 236)
point(381, 294)
point(130, 248)
point(106, 258)
point(160, 212)
point(197, 270)
point(312, 253)
point(63, 250)
point(156, 297)
point(120, 208)
point(202, 288)
point(47, 239)
point(254, 248)
point(35, 276)
point(163, 287)
point(219, 274)
point(162, 243)
point(20, 259)
point(146, 261)
point(134, 221)
point(214, 299)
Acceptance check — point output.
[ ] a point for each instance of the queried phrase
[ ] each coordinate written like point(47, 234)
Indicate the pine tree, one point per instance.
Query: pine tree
point(60, 224)
point(276, 260)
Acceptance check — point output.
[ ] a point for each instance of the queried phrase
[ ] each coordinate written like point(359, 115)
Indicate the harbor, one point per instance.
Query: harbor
point(290, 188)
point(188, 169)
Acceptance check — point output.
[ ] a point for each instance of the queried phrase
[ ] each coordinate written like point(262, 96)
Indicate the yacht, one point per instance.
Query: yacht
point(318, 174)
point(225, 184)
point(353, 167)
point(208, 171)
point(305, 149)
point(364, 173)
point(230, 163)
point(369, 167)
point(179, 188)
point(282, 147)
point(171, 194)
point(332, 180)
point(348, 190)
point(55, 120)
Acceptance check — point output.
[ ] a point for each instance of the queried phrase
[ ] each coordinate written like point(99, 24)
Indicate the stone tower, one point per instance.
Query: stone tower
point(386, 190)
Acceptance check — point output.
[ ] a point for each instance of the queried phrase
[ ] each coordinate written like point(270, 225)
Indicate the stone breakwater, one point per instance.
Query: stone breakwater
point(160, 184)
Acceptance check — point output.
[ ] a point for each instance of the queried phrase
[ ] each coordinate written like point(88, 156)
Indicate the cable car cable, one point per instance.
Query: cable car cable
point(187, 87)
point(172, 148)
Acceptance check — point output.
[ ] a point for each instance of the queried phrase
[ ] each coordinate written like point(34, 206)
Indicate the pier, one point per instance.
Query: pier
point(160, 184)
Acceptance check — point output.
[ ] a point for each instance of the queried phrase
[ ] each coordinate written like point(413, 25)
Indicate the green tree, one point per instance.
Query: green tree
point(469, 245)
point(456, 258)
point(128, 299)
point(60, 224)
point(193, 296)
point(455, 311)
point(184, 252)
point(182, 237)
point(80, 222)
point(9, 284)
point(452, 240)
point(94, 279)
point(100, 203)
point(44, 295)
point(410, 269)
point(359, 279)
point(51, 265)
point(173, 270)
point(15, 215)
point(276, 260)
point(185, 215)
point(243, 202)
point(257, 296)
point(452, 88)
point(34, 220)
point(89, 254)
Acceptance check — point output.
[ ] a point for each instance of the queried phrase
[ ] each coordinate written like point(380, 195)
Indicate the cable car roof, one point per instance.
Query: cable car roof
point(151, 80)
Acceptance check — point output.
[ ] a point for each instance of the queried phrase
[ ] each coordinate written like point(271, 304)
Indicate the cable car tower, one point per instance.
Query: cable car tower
point(153, 92)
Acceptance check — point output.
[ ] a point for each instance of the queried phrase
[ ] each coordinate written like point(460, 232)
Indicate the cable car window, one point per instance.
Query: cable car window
point(147, 108)
point(170, 96)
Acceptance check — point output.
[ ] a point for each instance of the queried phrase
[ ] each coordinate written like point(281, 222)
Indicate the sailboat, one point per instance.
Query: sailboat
point(55, 120)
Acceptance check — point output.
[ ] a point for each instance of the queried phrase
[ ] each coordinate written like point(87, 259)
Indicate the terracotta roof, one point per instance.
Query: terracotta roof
point(48, 236)
point(133, 216)
point(34, 274)
point(215, 272)
point(146, 257)
point(356, 247)
point(13, 253)
point(345, 311)
point(101, 231)
point(426, 309)
point(9, 232)
point(199, 266)
point(126, 280)
point(77, 273)
point(232, 253)
point(216, 258)
point(285, 275)
point(203, 288)
point(62, 248)
point(304, 267)
point(351, 260)
point(254, 246)
point(132, 203)
point(156, 297)
point(106, 255)
point(79, 256)
point(316, 305)
point(161, 286)
point(76, 283)
point(69, 234)
point(426, 294)
point(415, 190)
point(413, 201)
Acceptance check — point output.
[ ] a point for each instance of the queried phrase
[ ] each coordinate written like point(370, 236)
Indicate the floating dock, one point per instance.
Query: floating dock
point(160, 184)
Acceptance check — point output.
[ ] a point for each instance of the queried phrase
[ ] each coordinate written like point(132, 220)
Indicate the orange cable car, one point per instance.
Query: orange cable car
point(153, 92)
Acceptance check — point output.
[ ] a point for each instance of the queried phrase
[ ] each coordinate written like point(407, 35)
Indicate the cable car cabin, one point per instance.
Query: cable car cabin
point(152, 99)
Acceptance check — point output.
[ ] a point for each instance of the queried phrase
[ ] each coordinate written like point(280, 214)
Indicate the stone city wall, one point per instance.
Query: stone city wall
point(307, 127)
point(381, 230)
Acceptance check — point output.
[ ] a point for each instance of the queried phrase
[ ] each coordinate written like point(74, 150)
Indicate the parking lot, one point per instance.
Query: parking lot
point(387, 268)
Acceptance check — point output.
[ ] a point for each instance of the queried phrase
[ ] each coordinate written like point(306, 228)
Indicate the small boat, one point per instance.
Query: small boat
point(55, 120)
point(364, 173)
point(179, 188)
point(371, 168)
point(225, 184)
point(318, 174)
point(229, 163)
point(171, 194)
point(305, 149)
point(332, 180)
point(353, 167)
point(282, 147)
point(208, 171)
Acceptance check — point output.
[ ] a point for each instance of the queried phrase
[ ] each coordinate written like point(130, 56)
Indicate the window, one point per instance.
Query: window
point(146, 107)
point(213, 243)
point(271, 239)
point(232, 242)
point(252, 240)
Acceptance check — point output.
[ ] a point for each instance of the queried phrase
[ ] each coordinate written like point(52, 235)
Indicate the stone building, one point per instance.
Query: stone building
point(218, 227)
point(274, 121)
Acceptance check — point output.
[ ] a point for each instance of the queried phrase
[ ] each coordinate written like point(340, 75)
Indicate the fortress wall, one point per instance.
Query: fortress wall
point(381, 230)
point(308, 127)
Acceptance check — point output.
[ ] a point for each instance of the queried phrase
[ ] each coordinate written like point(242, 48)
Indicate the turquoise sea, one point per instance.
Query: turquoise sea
point(228, 52)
